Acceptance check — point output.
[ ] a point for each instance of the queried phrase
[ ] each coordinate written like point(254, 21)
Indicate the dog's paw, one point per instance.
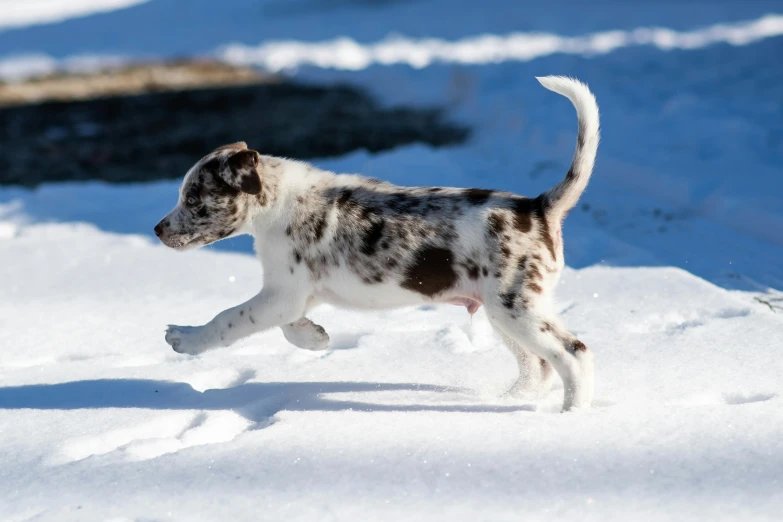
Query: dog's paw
point(186, 339)
point(306, 335)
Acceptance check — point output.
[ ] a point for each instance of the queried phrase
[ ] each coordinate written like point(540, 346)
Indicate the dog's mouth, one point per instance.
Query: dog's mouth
point(182, 242)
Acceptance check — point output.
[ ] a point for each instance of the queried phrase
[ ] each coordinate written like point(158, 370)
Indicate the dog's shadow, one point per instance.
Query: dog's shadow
point(255, 401)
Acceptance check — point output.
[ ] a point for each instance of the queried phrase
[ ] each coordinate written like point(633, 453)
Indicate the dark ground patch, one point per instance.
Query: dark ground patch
point(160, 135)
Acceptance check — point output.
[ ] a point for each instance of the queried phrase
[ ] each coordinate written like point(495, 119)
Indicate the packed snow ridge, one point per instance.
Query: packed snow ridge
point(346, 53)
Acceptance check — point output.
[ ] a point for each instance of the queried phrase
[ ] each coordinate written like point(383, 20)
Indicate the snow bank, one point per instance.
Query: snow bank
point(15, 13)
point(346, 53)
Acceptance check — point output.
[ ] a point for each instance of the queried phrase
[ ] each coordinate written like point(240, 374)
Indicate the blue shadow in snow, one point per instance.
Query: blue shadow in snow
point(254, 401)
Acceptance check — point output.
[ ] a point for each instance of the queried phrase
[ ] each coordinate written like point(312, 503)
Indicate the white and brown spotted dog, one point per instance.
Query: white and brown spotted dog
point(358, 242)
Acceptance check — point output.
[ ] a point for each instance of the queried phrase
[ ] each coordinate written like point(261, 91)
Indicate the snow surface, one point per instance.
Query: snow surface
point(21, 13)
point(675, 282)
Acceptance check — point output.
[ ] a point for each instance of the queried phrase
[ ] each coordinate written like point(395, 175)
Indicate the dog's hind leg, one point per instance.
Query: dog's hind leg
point(306, 334)
point(543, 335)
point(535, 374)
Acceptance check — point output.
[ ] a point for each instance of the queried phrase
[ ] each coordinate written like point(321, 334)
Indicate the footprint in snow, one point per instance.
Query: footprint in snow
point(736, 399)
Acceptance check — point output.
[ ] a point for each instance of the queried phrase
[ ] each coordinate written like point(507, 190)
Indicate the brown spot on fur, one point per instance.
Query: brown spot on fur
point(579, 346)
point(431, 272)
point(523, 208)
point(496, 223)
point(533, 273)
point(477, 196)
point(534, 287)
point(546, 235)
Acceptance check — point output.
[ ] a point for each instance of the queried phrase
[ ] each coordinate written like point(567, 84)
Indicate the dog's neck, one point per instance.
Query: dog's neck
point(284, 182)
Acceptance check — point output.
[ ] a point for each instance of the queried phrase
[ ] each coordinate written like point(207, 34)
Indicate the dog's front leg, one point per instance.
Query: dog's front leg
point(271, 307)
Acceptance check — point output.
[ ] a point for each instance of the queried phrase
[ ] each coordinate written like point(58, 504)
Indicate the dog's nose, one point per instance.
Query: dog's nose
point(158, 230)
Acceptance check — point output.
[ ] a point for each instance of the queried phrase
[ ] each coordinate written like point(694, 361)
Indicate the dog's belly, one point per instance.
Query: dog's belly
point(357, 295)
point(363, 297)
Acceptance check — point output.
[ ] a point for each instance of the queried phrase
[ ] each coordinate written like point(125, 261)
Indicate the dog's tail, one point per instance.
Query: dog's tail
point(562, 198)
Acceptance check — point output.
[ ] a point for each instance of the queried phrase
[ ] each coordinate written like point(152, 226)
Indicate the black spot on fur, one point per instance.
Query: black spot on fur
point(212, 166)
point(508, 299)
point(431, 272)
point(243, 167)
point(241, 313)
point(372, 237)
point(345, 195)
point(318, 227)
point(473, 270)
point(484, 271)
point(297, 256)
point(477, 196)
point(230, 325)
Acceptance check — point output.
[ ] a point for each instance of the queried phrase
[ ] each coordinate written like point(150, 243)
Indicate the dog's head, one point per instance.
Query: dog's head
point(214, 199)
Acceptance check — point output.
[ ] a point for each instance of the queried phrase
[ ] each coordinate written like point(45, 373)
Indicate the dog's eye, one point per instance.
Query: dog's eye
point(191, 201)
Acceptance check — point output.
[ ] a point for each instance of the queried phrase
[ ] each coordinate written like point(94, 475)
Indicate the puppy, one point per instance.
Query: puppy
point(358, 242)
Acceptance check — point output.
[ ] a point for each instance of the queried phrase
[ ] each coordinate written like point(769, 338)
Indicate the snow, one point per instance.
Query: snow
point(402, 419)
point(346, 53)
point(15, 13)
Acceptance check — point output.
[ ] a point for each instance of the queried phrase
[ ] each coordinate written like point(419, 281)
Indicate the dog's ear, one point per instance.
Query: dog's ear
point(240, 145)
point(241, 171)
